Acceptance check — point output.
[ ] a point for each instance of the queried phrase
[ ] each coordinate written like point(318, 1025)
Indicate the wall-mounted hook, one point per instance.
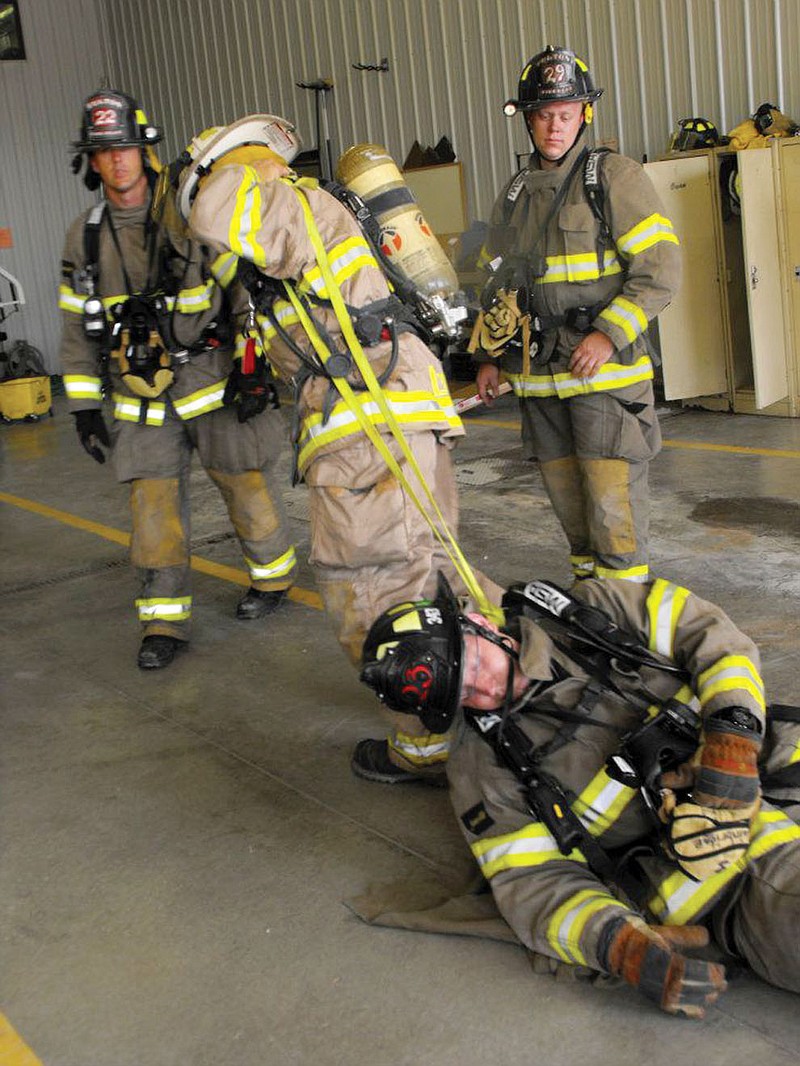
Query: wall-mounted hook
point(381, 67)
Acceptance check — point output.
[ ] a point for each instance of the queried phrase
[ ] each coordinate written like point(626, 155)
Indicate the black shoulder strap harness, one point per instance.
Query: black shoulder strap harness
point(597, 644)
point(91, 240)
point(516, 271)
point(663, 741)
point(592, 187)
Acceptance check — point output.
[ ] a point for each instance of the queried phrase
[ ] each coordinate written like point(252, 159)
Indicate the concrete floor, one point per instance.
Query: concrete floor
point(176, 845)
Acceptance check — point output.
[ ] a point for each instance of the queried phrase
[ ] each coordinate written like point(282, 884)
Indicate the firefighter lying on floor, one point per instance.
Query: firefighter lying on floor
point(617, 776)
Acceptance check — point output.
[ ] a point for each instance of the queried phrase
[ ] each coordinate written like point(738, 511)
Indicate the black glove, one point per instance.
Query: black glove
point(92, 431)
point(250, 392)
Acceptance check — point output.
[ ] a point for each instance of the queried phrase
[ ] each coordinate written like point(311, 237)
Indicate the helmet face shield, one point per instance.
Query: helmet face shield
point(693, 133)
point(413, 658)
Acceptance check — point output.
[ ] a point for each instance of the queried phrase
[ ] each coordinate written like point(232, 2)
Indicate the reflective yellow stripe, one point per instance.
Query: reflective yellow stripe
point(242, 339)
point(568, 922)
point(679, 899)
point(581, 267)
point(164, 609)
point(69, 300)
point(602, 802)
point(200, 402)
point(426, 750)
point(346, 259)
point(82, 387)
point(651, 230)
point(190, 301)
point(582, 565)
point(639, 574)
point(224, 268)
point(407, 407)
point(728, 674)
point(625, 314)
point(531, 846)
point(564, 385)
point(110, 302)
point(129, 409)
point(665, 603)
point(246, 220)
point(283, 313)
point(277, 568)
point(483, 258)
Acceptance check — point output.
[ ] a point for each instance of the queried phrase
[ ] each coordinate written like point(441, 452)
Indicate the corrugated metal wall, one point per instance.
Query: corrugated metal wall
point(451, 63)
point(40, 101)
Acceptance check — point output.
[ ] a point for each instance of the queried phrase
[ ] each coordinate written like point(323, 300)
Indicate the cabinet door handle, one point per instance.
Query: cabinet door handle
point(754, 278)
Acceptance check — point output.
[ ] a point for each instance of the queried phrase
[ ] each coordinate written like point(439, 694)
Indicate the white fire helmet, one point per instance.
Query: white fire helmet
point(275, 133)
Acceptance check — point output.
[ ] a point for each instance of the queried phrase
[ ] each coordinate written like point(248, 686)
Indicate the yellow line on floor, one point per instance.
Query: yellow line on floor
point(202, 566)
point(13, 1049)
point(734, 449)
point(688, 445)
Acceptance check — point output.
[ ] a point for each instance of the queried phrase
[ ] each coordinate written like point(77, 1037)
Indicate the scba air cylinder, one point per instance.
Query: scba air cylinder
point(406, 238)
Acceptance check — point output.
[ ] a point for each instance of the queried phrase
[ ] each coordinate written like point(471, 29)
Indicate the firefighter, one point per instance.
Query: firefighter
point(370, 545)
point(152, 319)
point(583, 258)
point(606, 778)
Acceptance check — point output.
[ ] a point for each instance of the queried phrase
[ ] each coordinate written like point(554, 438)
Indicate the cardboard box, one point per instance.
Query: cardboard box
point(24, 397)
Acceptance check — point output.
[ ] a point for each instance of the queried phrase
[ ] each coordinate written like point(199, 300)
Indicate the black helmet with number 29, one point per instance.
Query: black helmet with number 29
point(555, 75)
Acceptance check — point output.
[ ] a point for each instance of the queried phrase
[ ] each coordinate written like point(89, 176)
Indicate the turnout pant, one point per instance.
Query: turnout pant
point(371, 548)
point(240, 459)
point(594, 451)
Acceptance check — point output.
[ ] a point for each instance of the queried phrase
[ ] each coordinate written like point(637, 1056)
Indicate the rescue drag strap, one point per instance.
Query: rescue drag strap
point(441, 530)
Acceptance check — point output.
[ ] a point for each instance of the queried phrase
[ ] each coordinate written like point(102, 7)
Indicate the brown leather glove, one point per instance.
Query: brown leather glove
point(711, 828)
point(728, 771)
point(645, 957)
point(500, 324)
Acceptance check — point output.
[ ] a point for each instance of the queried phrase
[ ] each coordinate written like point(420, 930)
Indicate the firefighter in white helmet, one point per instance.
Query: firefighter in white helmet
point(369, 543)
point(150, 320)
point(617, 776)
point(583, 257)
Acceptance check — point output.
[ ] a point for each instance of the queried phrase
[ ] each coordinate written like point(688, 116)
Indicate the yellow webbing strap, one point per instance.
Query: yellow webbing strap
point(441, 531)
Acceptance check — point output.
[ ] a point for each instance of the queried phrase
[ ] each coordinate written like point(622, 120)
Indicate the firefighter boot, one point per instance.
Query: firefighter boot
point(371, 761)
point(158, 651)
point(257, 604)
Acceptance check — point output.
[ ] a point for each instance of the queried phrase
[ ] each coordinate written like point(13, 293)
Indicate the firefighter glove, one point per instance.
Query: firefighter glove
point(92, 432)
point(648, 958)
point(705, 840)
point(502, 322)
point(728, 772)
point(711, 828)
point(249, 388)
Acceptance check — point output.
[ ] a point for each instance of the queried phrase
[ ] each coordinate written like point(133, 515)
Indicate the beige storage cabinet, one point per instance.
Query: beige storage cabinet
point(731, 338)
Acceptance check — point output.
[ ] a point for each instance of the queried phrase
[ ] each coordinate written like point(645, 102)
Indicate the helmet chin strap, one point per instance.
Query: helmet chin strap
point(474, 628)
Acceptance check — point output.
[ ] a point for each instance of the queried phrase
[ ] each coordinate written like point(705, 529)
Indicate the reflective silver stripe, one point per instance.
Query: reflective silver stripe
point(168, 610)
